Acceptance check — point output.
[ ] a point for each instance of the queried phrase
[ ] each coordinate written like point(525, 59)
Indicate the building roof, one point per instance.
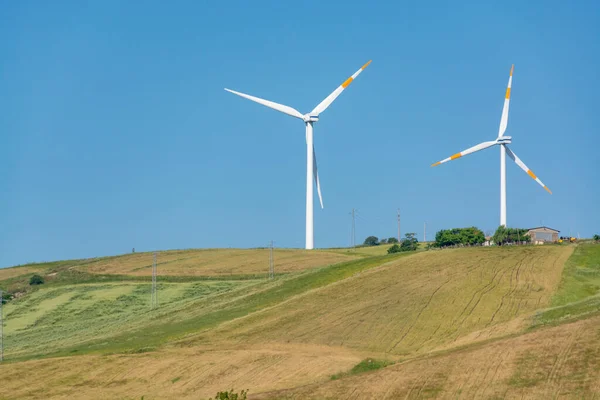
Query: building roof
point(543, 227)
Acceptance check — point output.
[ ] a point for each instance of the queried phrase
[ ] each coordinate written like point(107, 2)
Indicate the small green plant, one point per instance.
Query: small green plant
point(394, 249)
point(368, 364)
point(231, 395)
point(36, 280)
point(596, 238)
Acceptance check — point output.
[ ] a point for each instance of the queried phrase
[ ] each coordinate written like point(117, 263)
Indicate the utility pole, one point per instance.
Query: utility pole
point(353, 237)
point(154, 298)
point(1, 330)
point(271, 262)
point(398, 225)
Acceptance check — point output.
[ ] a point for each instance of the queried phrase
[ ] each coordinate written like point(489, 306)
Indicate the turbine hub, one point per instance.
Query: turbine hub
point(504, 140)
point(310, 118)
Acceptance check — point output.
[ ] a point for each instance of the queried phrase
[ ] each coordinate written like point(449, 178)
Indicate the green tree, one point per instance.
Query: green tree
point(409, 243)
point(459, 236)
point(596, 238)
point(383, 241)
point(36, 280)
point(506, 235)
point(392, 240)
point(371, 241)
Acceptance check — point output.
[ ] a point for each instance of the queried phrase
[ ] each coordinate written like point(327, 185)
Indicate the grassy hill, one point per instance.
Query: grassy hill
point(461, 323)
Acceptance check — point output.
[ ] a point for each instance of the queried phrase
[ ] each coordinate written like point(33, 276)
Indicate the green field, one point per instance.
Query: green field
point(339, 323)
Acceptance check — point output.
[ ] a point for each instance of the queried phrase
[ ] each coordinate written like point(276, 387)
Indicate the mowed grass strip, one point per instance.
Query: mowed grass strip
point(132, 326)
point(579, 289)
point(216, 262)
point(54, 318)
point(415, 304)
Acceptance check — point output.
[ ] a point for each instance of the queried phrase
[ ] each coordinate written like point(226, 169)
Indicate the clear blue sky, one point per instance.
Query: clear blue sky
point(115, 130)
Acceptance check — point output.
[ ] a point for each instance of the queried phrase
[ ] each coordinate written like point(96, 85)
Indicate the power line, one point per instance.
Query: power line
point(398, 225)
point(271, 262)
point(1, 329)
point(353, 234)
point(154, 297)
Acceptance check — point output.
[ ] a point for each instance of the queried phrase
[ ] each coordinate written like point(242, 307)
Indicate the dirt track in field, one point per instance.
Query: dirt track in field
point(559, 362)
point(415, 304)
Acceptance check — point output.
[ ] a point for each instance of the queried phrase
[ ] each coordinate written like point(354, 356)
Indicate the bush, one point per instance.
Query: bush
point(231, 395)
point(409, 243)
point(36, 280)
point(371, 241)
point(383, 241)
point(596, 238)
point(392, 240)
point(394, 249)
point(6, 297)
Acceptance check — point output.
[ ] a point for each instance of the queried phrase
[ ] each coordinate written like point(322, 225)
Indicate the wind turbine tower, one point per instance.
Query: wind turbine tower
point(311, 159)
point(503, 142)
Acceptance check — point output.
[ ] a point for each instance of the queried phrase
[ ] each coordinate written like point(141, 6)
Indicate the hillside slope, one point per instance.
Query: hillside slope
point(456, 323)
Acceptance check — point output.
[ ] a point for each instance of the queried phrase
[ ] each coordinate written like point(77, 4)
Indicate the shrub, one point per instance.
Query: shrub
point(505, 235)
point(596, 238)
point(36, 280)
point(392, 240)
point(231, 395)
point(394, 249)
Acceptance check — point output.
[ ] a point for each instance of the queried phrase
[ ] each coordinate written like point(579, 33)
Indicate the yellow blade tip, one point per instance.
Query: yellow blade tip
point(512, 69)
point(548, 190)
point(366, 65)
point(436, 164)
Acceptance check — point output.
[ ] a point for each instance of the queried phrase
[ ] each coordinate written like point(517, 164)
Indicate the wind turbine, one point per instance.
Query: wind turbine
point(311, 158)
point(503, 142)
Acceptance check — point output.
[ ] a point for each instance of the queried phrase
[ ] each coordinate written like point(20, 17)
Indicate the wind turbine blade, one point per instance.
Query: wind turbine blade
point(316, 175)
point(470, 150)
point(524, 167)
point(329, 99)
point(276, 106)
point(504, 119)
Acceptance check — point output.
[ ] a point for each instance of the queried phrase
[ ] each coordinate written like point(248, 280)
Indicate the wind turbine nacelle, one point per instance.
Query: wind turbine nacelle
point(311, 118)
point(504, 140)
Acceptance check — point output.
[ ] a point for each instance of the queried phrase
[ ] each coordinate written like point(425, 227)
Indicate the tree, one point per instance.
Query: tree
point(459, 236)
point(383, 241)
point(596, 238)
point(506, 235)
point(36, 280)
point(371, 241)
point(392, 240)
point(409, 243)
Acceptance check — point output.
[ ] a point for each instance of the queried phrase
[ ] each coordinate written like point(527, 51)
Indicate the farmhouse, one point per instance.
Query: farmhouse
point(543, 234)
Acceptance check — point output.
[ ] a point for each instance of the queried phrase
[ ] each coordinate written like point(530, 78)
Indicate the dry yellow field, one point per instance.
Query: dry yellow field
point(189, 373)
point(215, 262)
point(455, 322)
point(414, 304)
point(561, 362)
point(7, 273)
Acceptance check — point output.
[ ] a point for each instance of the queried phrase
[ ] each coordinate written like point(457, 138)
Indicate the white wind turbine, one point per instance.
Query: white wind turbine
point(503, 142)
point(311, 158)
